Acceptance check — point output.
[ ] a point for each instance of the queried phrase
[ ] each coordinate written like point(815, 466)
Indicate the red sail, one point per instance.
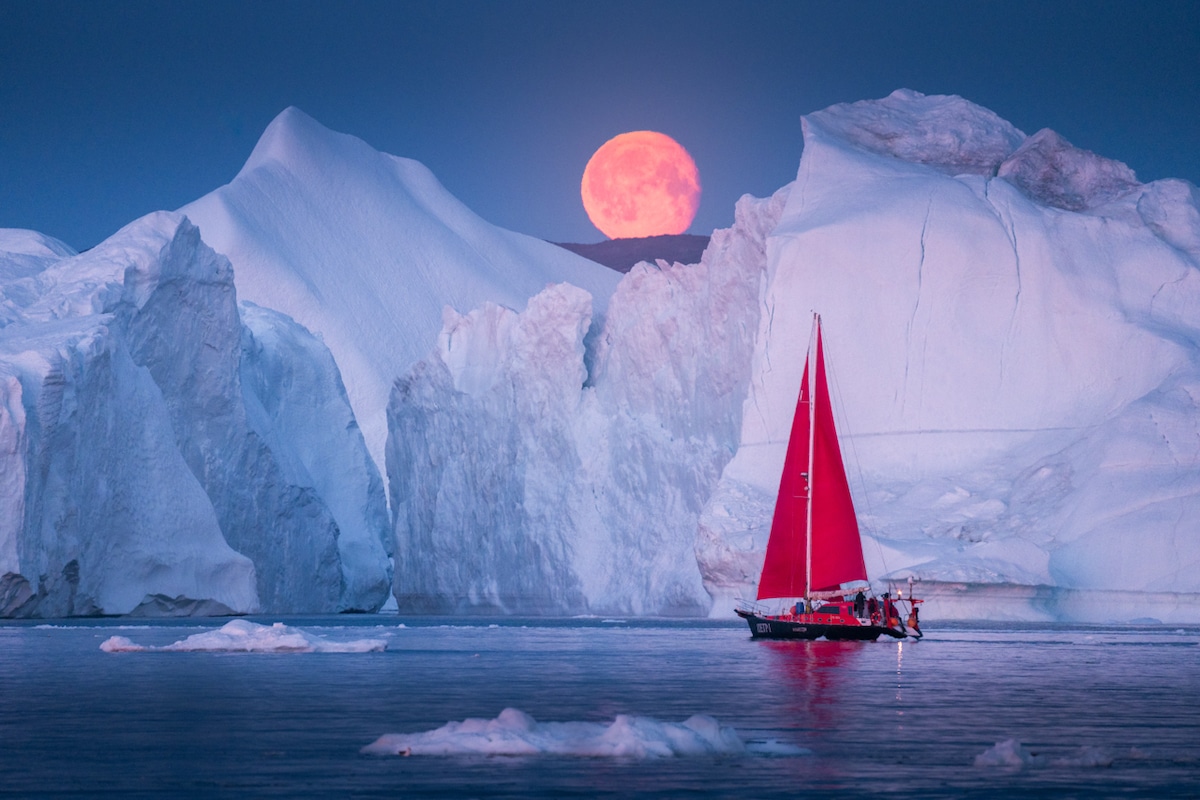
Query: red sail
point(837, 547)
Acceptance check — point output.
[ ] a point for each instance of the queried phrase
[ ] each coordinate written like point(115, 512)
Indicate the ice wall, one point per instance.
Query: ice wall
point(535, 468)
point(101, 512)
point(134, 481)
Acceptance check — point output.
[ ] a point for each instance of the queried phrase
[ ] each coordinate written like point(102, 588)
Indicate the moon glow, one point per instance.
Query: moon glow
point(641, 183)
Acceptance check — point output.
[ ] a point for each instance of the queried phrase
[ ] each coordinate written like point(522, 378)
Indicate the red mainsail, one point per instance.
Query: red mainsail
point(836, 551)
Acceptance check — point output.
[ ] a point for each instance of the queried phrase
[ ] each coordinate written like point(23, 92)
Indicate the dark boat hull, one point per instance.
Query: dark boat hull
point(775, 628)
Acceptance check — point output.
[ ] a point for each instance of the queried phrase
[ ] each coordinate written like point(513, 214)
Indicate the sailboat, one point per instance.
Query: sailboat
point(814, 580)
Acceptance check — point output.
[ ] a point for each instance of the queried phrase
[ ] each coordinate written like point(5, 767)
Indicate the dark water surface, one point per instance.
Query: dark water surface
point(881, 719)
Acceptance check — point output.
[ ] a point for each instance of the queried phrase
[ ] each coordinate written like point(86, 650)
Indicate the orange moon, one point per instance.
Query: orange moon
point(641, 183)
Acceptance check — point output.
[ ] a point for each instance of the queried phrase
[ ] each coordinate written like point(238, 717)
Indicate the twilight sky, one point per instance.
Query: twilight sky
point(111, 110)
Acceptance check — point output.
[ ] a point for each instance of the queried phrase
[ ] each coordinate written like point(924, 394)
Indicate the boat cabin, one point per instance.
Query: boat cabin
point(834, 612)
point(827, 613)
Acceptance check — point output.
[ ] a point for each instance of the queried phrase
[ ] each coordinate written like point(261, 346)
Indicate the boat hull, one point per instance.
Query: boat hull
point(776, 628)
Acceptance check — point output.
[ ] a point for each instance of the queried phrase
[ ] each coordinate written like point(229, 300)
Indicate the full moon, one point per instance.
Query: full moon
point(641, 183)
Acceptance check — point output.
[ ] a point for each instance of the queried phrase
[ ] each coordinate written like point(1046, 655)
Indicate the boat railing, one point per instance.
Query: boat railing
point(756, 607)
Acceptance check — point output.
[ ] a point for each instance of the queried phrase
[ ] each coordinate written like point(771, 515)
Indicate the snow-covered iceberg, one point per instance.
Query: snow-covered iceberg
point(140, 473)
point(365, 249)
point(243, 636)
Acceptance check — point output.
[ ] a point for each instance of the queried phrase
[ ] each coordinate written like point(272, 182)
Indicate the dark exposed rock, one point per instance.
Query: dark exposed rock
point(622, 254)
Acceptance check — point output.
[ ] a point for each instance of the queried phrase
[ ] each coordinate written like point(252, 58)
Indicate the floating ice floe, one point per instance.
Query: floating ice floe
point(1011, 753)
point(515, 733)
point(240, 636)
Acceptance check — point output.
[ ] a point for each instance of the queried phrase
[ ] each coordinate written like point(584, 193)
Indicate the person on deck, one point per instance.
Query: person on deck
point(860, 604)
point(890, 618)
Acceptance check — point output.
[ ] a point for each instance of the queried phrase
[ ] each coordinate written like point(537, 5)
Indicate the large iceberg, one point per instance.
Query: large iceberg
point(1013, 325)
point(142, 473)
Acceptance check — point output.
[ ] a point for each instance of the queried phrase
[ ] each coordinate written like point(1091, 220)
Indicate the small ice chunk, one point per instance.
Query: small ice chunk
point(515, 733)
point(1088, 756)
point(242, 636)
point(120, 644)
point(1008, 753)
point(775, 748)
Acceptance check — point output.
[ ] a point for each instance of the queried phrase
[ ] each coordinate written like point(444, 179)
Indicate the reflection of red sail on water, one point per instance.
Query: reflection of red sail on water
point(813, 678)
point(828, 692)
point(814, 569)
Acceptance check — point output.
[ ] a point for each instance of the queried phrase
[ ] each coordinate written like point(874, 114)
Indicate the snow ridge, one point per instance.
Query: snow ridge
point(364, 249)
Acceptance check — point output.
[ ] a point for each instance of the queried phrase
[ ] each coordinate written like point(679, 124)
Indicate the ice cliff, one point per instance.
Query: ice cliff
point(1013, 325)
point(532, 468)
point(157, 454)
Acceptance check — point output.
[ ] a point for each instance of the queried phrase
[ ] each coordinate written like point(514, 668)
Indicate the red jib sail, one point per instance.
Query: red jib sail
point(836, 547)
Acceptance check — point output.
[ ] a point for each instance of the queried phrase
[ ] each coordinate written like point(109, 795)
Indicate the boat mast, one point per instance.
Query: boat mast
point(812, 427)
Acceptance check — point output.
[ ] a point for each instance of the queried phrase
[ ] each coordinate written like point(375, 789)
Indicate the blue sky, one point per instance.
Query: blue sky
point(111, 110)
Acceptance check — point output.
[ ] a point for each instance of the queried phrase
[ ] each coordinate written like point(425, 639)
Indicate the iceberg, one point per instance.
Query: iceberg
point(268, 464)
point(1016, 325)
point(134, 479)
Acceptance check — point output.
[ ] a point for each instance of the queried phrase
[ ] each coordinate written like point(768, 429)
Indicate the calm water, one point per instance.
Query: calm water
point(881, 719)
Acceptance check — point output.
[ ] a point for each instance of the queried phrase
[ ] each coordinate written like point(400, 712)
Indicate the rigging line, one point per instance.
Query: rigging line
point(840, 409)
